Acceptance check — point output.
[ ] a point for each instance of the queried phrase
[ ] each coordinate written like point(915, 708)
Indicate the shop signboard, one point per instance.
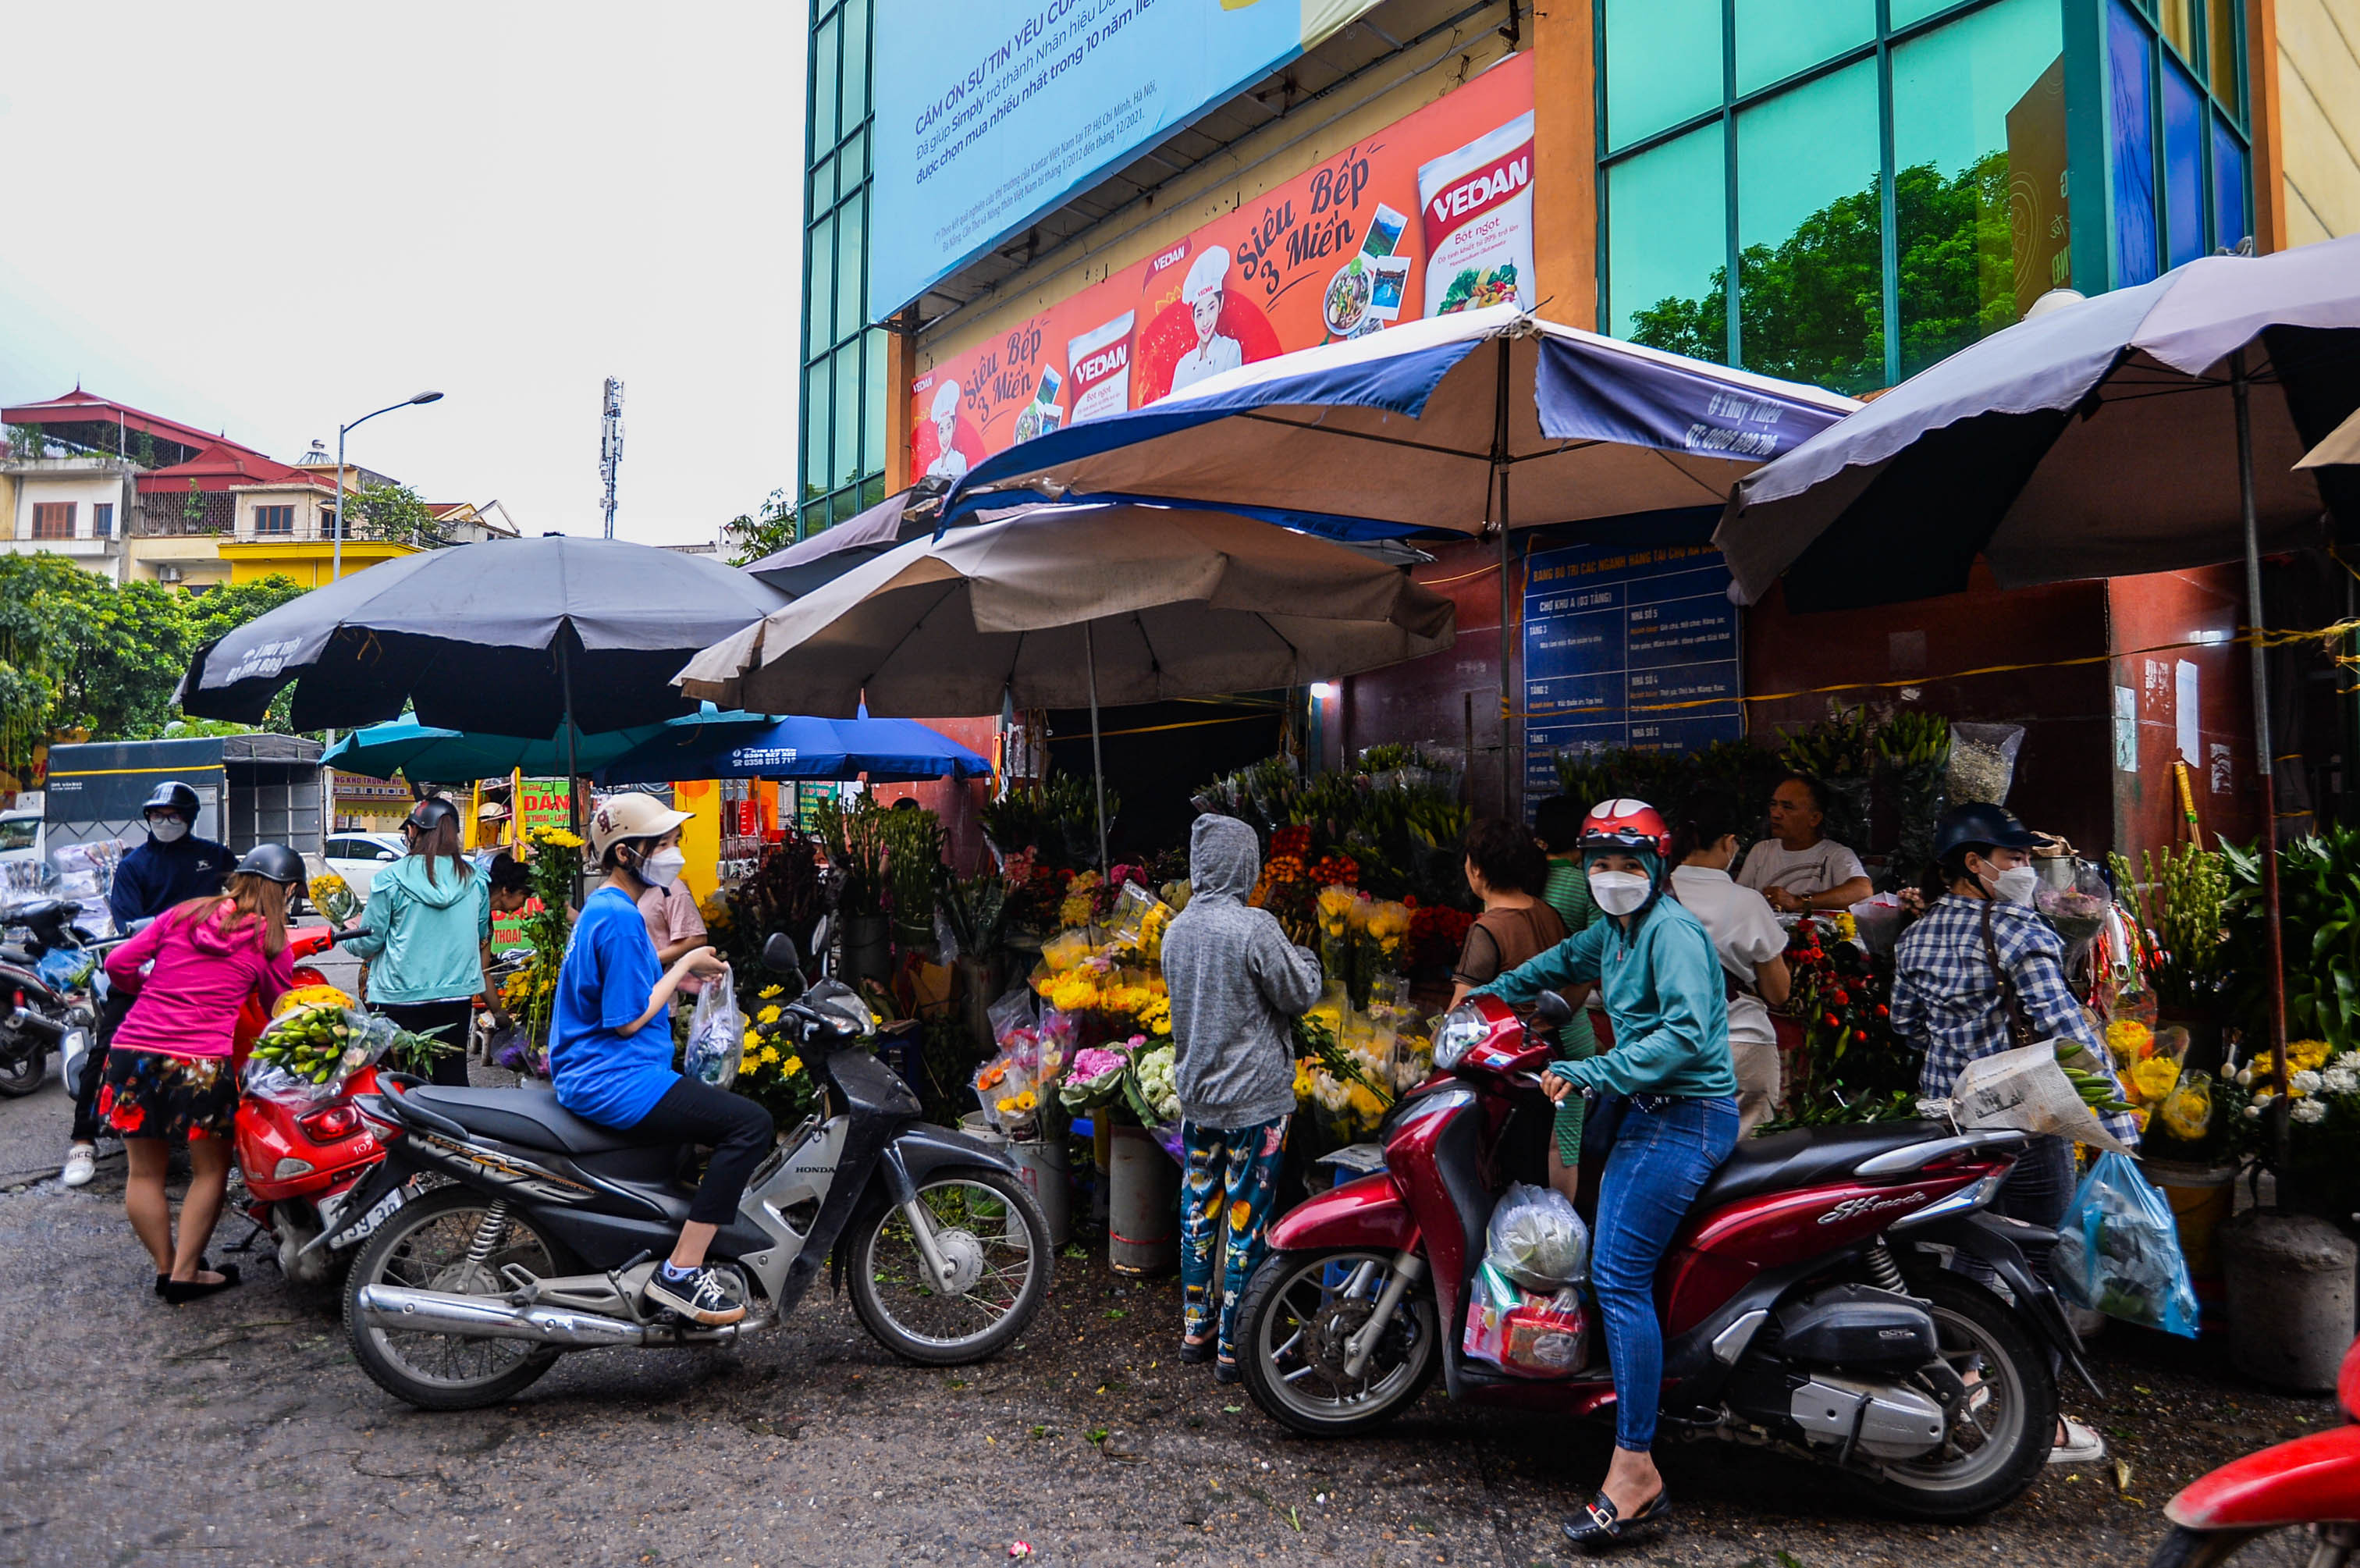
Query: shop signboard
point(539, 803)
point(1619, 640)
point(990, 114)
point(1346, 249)
point(813, 801)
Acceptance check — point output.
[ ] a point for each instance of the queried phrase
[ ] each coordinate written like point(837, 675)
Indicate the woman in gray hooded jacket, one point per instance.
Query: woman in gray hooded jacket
point(1237, 983)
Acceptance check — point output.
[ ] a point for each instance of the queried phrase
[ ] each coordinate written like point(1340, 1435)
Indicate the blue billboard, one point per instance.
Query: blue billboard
point(990, 114)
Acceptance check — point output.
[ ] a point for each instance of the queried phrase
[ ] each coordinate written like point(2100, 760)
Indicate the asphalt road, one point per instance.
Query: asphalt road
point(238, 1431)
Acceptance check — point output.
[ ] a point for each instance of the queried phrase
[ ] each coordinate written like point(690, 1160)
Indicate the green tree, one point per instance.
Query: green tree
point(391, 513)
point(758, 534)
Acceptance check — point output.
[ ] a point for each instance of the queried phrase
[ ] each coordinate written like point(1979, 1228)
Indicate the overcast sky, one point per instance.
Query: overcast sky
point(266, 218)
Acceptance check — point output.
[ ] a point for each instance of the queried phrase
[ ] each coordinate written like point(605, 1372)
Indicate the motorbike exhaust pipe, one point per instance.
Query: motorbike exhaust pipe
point(397, 1308)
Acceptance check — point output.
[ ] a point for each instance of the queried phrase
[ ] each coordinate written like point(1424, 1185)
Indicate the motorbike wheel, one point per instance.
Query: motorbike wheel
point(429, 1245)
point(2286, 1546)
point(1994, 1452)
point(989, 1227)
point(1298, 1309)
point(23, 1068)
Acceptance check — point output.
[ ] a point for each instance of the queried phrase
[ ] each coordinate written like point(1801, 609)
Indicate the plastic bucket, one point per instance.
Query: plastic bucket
point(1044, 1169)
point(1142, 1205)
point(2201, 1197)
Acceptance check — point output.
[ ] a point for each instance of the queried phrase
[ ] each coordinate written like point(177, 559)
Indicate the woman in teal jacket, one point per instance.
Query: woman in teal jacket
point(1667, 1120)
point(426, 934)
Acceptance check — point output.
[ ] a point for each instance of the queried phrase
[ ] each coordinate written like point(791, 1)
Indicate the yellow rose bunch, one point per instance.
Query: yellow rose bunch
point(1335, 907)
point(2127, 1040)
point(309, 996)
point(2152, 1079)
point(2189, 1113)
point(556, 837)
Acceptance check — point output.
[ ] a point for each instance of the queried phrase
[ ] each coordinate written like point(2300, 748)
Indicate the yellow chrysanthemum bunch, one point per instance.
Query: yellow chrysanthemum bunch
point(310, 996)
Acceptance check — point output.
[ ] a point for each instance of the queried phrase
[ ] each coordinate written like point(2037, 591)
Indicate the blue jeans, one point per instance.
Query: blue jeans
point(1660, 1153)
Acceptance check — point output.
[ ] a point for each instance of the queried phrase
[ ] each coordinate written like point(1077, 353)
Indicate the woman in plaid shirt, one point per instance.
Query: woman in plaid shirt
point(1949, 1001)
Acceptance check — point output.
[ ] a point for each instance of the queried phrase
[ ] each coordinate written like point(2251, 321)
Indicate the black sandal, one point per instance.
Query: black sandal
point(177, 1292)
point(1598, 1524)
point(1196, 1352)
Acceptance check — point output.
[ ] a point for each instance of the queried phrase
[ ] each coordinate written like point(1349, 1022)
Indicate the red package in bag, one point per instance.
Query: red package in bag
point(1547, 1336)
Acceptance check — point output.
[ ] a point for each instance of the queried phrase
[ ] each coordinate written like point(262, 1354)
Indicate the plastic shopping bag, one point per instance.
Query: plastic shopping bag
point(716, 1034)
point(2118, 1251)
point(1536, 1239)
point(1530, 1332)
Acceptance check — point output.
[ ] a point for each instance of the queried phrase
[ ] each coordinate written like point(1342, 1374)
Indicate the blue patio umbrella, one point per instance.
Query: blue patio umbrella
point(888, 751)
point(422, 751)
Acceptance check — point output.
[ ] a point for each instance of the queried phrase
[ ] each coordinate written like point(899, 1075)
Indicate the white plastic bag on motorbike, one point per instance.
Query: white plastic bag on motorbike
point(1536, 1239)
point(716, 1034)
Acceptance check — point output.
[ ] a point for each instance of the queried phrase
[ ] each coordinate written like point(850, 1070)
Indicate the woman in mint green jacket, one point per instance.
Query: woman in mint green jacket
point(427, 936)
point(1667, 1120)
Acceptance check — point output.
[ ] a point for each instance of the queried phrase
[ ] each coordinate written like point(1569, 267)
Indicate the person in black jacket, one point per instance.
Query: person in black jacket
point(173, 866)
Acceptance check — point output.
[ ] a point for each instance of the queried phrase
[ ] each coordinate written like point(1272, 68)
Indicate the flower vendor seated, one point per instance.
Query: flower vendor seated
point(1798, 868)
point(1236, 984)
point(1667, 1117)
point(609, 1067)
point(1752, 946)
point(1507, 872)
point(511, 885)
point(1981, 969)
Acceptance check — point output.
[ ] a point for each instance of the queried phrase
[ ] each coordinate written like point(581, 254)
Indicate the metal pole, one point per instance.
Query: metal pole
point(336, 571)
point(565, 690)
point(1509, 782)
point(2275, 943)
point(1097, 759)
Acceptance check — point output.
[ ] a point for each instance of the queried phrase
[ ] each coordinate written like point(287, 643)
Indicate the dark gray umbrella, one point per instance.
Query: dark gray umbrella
point(865, 535)
point(525, 637)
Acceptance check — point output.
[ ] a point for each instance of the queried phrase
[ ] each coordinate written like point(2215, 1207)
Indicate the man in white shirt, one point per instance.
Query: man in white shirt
point(1746, 937)
point(1796, 869)
point(1206, 288)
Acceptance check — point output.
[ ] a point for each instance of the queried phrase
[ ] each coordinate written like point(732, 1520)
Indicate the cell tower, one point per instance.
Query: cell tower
point(611, 446)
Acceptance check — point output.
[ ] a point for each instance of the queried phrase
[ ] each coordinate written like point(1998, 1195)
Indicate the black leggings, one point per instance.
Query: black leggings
point(737, 1130)
point(447, 1022)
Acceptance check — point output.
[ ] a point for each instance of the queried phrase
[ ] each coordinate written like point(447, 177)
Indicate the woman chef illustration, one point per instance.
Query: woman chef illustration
point(1203, 294)
point(949, 461)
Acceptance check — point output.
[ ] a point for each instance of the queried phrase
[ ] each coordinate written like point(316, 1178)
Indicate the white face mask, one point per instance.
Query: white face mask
point(2016, 885)
point(1618, 893)
point(167, 829)
point(662, 868)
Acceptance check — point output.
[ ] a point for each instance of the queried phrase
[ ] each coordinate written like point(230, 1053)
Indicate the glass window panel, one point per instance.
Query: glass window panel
point(1776, 38)
point(851, 280)
point(1662, 65)
point(2183, 166)
point(855, 162)
point(815, 429)
point(846, 504)
point(872, 435)
point(2228, 188)
point(855, 63)
point(823, 187)
point(872, 490)
point(2223, 32)
point(824, 84)
point(1979, 175)
point(2178, 20)
point(1810, 234)
point(813, 520)
point(1904, 12)
point(1667, 247)
point(819, 287)
point(2127, 51)
point(847, 415)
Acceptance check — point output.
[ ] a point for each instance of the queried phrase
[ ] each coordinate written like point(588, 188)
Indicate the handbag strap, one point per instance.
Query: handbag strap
point(2020, 1031)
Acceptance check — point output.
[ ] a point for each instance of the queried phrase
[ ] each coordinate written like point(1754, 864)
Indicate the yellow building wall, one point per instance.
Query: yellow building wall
point(700, 835)
point(309, 563)
point(2318, 117)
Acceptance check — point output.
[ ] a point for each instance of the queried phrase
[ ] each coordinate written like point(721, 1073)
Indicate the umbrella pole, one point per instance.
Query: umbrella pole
point(2274, 940)
point(1097, 759)
point(572, 781)
point(1509, 782)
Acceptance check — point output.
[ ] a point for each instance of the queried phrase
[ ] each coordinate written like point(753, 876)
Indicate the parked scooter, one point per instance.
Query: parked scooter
point(548, 1225)
point(2295, 1503)
point(1806, 1302)
point(47, 967)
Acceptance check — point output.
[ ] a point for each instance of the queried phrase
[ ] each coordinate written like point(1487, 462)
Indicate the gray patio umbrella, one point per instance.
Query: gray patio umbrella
point(2153, 428)
point(1064, 607)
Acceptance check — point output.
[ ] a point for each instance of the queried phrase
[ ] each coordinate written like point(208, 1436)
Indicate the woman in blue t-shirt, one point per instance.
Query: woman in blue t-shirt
point(610, 1067)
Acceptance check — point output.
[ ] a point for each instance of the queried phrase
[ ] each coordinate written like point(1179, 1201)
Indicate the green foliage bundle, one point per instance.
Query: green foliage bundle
point(858, 850)
point(1058, 818)
point(914, 873)
point(1663, 779)
point(2179, 903)
point(2319, 898)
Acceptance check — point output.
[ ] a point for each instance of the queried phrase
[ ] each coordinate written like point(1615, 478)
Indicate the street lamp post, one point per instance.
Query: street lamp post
point(337, 569)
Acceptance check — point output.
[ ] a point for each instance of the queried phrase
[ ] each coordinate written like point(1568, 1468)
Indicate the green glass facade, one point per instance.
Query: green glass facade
point(843, 392)
point(1844, 191)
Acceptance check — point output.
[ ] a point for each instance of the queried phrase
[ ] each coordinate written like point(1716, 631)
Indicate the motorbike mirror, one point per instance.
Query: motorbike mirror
point(1553, 1010)
point(822, 932)
point(779, 954)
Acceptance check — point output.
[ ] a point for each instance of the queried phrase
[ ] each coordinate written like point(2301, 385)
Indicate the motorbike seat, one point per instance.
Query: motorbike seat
point(530, 1118)
point(1806, 1157)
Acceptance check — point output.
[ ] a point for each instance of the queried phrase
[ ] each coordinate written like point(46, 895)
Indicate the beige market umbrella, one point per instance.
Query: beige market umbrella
point(2341, 447)
point(1067, 607)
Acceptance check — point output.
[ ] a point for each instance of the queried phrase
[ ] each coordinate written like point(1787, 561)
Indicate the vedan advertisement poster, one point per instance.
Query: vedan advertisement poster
point(1432, 214)
point(990, 114)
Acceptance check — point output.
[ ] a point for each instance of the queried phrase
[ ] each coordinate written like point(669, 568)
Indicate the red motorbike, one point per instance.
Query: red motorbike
point(297, 1158)
point(1810, 1303)
point(2298, 1503)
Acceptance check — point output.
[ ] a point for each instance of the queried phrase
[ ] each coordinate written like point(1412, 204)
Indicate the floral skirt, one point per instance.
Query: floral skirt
point(149, 1095)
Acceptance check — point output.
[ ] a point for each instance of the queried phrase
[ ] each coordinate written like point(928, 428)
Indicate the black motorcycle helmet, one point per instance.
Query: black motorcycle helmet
point(1978, 825)
point(429, 812)
point(272, 862)
point(174, 795)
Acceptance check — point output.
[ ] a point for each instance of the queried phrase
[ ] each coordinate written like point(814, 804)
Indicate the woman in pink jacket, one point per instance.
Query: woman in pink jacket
point(169, 1073)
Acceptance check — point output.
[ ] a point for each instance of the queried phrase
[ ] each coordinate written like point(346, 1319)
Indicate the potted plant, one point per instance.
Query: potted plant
point(858, 850)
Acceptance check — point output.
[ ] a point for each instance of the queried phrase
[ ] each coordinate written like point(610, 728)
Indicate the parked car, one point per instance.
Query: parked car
point(356, 856)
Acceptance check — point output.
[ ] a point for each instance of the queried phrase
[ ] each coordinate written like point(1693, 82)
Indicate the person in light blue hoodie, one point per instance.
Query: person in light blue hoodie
point(427, 936)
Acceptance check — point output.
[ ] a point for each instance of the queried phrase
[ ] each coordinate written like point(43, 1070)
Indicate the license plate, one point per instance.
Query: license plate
point(360, 1230)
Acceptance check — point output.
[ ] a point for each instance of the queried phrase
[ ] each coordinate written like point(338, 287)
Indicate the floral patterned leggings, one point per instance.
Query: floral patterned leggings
point(1236, 1168)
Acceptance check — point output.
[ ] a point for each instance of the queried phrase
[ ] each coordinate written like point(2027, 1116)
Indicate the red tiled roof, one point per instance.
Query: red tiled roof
point(79, 407)
point(223, 465)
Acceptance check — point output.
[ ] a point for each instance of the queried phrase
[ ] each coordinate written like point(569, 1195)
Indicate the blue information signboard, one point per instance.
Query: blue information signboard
point(1614, 636)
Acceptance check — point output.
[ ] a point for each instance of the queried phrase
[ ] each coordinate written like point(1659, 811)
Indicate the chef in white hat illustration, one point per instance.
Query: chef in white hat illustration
point(1203, 293)
point(949, 461)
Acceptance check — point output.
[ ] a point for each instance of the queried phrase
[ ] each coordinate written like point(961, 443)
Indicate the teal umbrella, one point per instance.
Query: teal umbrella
point(423, 752)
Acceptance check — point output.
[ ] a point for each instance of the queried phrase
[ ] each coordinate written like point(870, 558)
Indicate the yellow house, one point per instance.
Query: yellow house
point(287, 527)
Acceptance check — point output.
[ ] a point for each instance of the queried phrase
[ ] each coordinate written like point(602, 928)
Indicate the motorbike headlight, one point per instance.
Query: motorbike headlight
point(1458, 1033)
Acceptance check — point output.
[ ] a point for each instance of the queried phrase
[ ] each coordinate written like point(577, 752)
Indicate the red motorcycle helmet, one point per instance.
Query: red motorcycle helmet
point(1625, 826)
